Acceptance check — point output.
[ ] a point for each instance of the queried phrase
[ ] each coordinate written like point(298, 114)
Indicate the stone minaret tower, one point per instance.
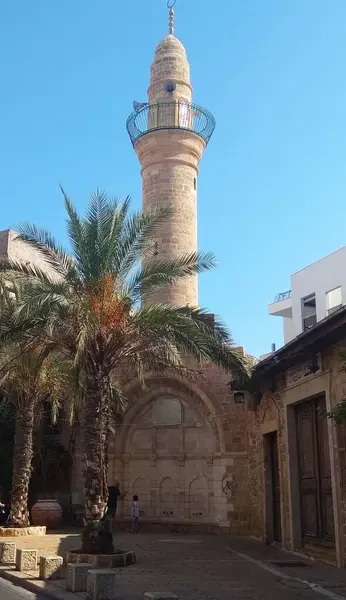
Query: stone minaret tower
point(169, 135)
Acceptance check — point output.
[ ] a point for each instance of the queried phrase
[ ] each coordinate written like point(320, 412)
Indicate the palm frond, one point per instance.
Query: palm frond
point(169, 325)
point(158, 273)
point(18, 270)
point(119, 211)
point(136, 238)
point(96, 225)
point(119, 402)
point(42, 240)
point(77, 237)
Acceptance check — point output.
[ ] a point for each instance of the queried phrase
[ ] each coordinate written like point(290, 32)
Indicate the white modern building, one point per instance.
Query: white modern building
point(316, 291)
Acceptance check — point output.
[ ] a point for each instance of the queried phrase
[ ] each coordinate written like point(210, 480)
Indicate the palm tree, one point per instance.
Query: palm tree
point(31, 373)
point(30, 376)
point(87, 303)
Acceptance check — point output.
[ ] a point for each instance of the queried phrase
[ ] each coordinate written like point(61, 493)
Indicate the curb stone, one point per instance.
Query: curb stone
point(37, 587)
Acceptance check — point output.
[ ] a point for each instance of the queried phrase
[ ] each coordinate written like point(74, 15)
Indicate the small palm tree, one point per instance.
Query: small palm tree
point(30, 376)
point(87, 303)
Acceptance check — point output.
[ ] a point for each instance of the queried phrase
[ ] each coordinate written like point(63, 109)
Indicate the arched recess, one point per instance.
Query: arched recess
point(198, 498)
point(170, 437)
point(168, 497)
point(268, 409)
point(160, 386)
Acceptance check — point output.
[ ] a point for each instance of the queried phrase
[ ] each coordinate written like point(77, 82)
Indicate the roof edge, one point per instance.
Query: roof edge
point(330, 330)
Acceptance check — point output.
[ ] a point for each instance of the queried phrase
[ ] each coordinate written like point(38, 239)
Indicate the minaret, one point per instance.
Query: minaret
point(169, 135)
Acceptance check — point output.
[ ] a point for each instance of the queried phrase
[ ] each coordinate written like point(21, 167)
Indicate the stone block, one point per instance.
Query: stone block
point(101, 561)
point(26, 560)
point(7, 553)
point(77, 575)
point(101, 584)
point(51, 567)
point(71, 558)
point(160, 596)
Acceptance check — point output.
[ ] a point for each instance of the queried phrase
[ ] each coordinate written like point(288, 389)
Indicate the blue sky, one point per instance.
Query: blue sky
point(272, 182)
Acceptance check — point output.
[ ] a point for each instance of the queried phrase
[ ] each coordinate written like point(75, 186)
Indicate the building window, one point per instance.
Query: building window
point(239, 397)
point(309, 317)
point(333, 300)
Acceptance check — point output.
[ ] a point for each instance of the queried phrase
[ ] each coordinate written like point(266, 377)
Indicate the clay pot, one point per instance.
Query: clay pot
point(46, 512)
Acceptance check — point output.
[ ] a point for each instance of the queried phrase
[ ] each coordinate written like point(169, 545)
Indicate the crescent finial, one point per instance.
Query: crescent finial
point(170, 5)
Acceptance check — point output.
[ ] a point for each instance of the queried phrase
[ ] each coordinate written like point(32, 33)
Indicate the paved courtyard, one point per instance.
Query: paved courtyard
point(213, 568)
point(220, 568)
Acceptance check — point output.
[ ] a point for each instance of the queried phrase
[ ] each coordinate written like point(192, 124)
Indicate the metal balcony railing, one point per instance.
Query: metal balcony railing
point(283, 296)
point(171, 115)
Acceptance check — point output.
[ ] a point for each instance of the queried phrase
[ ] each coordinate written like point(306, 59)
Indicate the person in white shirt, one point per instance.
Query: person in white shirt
point(135, 514)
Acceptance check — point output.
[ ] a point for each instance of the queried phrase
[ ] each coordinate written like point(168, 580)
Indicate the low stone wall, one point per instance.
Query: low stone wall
point(102, 561)
point(18, 532)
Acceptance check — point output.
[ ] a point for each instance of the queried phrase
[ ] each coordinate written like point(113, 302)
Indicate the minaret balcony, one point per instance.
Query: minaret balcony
point(170, 115)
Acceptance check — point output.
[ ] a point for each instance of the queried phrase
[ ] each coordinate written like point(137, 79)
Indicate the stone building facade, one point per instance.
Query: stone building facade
point(199, 456)
point(182, 449)
point(183, 445)
point(297, 455)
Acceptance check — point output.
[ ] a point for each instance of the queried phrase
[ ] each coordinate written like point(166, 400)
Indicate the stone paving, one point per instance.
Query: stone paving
point(216, 568)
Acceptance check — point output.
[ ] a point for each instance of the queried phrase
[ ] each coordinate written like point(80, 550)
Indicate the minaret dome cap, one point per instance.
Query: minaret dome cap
point(170, 43)
point(170, 64)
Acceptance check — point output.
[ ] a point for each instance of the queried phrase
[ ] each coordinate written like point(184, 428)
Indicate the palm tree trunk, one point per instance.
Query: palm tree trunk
point(95, 439)
point(22, 458)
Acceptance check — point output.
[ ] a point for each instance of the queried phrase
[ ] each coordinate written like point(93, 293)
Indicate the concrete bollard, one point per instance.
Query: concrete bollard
point(77, 575)
point(26, 560)
point(7, 553)
point(101, 584)
point(51, 567)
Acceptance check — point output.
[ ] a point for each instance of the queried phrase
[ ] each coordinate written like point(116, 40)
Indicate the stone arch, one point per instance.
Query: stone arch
point(198, 498)
point(170, 434)
point(157, 386)
point(268, 409)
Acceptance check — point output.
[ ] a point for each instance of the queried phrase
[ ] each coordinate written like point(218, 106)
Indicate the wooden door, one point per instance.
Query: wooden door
point(275, 480)
point(317, 521)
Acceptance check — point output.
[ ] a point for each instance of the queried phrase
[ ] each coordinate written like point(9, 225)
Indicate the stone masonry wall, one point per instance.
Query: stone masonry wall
point(335, 362)
point(169, 160)
point(195, 473)
point(170, 64)
point(271, 412)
